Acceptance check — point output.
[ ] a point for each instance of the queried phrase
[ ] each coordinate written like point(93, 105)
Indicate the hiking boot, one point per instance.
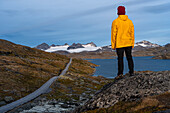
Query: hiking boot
point(119, 76)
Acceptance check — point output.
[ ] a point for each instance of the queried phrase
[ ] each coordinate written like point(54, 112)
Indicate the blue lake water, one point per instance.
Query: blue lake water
point(109, 67)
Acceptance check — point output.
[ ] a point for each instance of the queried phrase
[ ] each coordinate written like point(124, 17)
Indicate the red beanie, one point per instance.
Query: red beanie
point(121, 10)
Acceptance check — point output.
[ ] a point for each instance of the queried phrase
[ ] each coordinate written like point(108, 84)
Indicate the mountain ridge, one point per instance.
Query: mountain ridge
point(89, 51)
point(54, 48)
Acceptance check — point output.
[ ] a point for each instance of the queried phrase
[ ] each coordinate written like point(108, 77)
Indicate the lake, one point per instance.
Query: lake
point(109, 67)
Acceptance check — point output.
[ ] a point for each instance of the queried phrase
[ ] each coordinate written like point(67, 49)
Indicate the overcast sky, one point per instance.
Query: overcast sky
point(31, 22)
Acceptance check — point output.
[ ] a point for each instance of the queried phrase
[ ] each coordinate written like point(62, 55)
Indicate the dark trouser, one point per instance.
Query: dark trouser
point(120, 53)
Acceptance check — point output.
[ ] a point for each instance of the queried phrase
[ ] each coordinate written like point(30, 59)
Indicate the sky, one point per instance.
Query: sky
point(32, 22)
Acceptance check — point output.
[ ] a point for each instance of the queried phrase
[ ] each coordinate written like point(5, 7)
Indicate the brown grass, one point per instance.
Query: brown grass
point(77, 80)
point(24, 69)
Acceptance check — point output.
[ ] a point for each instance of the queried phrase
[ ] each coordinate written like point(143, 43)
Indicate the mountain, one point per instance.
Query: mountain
point(145, 43)
point(43, 46)
point(142, 45)
point(90, 44)
point(74, 48)
point(90, 50)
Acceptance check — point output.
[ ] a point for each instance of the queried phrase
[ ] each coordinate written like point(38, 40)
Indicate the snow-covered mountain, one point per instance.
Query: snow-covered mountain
point(76, 48)
point(43, 46)
point(145, 43)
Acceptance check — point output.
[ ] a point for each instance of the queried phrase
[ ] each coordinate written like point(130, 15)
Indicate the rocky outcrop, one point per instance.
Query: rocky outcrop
point(53, 45)
point(66, 44)
point(92, 44)
point(132, 88)
point(147, 44)
point(163, 54)
point(75, 46)
point(8, 98)
point(43, 46)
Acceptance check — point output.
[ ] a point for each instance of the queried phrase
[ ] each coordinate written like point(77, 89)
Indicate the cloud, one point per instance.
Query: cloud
point(157, 9)
point(38, 21)
point(93, 11)
point(9, 12)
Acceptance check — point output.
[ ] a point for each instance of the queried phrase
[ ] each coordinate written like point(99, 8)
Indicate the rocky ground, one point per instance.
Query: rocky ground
point(132, 89)
point(43, 104)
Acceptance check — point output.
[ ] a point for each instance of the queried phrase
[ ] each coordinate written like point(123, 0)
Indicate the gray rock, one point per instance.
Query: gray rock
point(75, 46)
point(133, 88)
point(6, 90)
point(43, 46)
point(2, 103)
point(8, 98)
point(94, 81)
point(65, 106)
point(23, 89)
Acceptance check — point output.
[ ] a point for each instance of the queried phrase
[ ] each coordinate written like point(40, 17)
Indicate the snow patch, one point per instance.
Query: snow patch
point(143, 45)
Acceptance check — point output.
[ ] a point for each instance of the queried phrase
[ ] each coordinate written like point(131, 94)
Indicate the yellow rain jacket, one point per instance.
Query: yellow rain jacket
point(122, 32)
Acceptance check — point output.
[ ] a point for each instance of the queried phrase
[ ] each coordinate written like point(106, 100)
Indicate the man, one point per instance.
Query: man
point(122, 39)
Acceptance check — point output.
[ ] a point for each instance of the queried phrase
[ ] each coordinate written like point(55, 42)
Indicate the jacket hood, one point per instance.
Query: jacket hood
point(123, 17)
